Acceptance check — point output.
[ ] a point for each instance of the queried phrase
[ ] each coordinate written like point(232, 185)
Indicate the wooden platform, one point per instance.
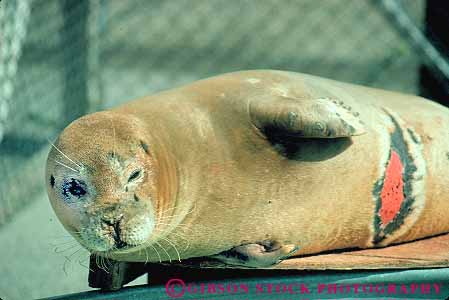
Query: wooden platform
point(426, 253)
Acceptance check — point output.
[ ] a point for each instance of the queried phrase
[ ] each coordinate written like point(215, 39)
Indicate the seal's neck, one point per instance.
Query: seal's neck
point(166, 181)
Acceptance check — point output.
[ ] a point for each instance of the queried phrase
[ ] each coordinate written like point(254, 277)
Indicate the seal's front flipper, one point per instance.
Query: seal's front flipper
point(264, 254)
point(304, 118)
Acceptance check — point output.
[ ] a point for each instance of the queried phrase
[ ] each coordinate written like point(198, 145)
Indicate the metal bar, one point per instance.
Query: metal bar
point(306, 285)
point(402, 23)
point(436, 22)
point(74, 45)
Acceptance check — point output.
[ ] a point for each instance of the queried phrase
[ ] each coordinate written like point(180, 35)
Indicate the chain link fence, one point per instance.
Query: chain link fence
point(62, 59)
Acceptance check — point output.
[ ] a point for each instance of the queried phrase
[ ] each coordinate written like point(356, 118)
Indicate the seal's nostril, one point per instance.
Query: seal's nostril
point(119, 243)
point(116, 235)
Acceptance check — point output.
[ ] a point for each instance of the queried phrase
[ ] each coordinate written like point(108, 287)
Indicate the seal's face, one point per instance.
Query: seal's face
point(100, 182)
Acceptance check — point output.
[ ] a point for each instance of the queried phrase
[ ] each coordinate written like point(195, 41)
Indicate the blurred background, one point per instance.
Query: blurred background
point(60, 59)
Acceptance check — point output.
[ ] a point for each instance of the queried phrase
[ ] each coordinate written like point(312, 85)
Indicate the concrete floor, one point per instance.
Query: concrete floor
point(35, 255)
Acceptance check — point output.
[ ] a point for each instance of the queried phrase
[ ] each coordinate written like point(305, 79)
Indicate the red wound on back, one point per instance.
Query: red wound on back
point(392, 193)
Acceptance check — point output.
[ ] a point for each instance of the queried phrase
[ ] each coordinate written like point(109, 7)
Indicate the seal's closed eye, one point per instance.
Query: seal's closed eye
point(134, 175)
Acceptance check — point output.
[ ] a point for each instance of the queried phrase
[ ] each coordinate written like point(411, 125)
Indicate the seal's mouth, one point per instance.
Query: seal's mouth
point(104, 233)
point(119, 243)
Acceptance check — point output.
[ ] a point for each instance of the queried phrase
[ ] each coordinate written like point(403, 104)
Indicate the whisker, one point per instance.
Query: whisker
point(98, 262)
point(62, 243)
point(64, 266)
point(71, 231)
point(60, 163)
point(102, 266)
point(58, 249)
point(157, 252)
point(73, 253)
point(169, 257)
point(183, 238)
point(80, 262)
point(172, 208)
point(107, 260)
point(60, 237)
point(76, 253)
point(164, 218)
point(57, 149)
point(166, 224)
point(146, 255)
point(102, 263)
point(173, 233)
point(174, 247)
point(68, 260)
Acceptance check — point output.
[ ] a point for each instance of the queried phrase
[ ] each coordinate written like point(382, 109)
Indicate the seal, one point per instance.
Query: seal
point(252, 167)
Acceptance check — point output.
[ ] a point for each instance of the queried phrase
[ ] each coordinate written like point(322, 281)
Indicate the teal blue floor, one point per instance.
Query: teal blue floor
point(409, 284)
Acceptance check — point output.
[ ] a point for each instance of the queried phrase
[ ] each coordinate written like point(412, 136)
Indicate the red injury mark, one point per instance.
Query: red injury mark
point(392, 193)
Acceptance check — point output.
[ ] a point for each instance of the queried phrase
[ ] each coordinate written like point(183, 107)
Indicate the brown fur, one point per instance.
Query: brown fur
point(216, 181)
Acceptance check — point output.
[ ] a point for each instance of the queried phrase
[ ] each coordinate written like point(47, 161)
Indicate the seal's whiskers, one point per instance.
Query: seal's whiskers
point(108, 259)
point(146, 255)
point(64, 165)
point(103, 264)
point(68, 260)
point(180, 236)
point(166, 252)
point(174, 247)
point(166, 224)
point(65, 236)
point(79, 258)
point(57, 246)
point(155, 250)
point(183, 238)
point(172, 208)
point(99, 261)
point(63, 154)
point(81, 263)
point(59, 250)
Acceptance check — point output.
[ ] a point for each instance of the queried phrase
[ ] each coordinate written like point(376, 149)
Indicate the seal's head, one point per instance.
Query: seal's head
point(100, 180)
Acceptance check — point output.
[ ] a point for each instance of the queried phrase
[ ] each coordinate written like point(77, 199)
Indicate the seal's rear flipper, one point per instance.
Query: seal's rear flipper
point(304, 118)
point(264, 254)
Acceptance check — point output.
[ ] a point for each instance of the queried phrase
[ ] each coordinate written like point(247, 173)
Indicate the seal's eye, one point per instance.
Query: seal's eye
point(134, 175)
point(73, 188)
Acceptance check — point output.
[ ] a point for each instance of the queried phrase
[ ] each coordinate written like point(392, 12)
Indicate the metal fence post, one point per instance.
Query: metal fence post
point(74, 44)
point(436, 24)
